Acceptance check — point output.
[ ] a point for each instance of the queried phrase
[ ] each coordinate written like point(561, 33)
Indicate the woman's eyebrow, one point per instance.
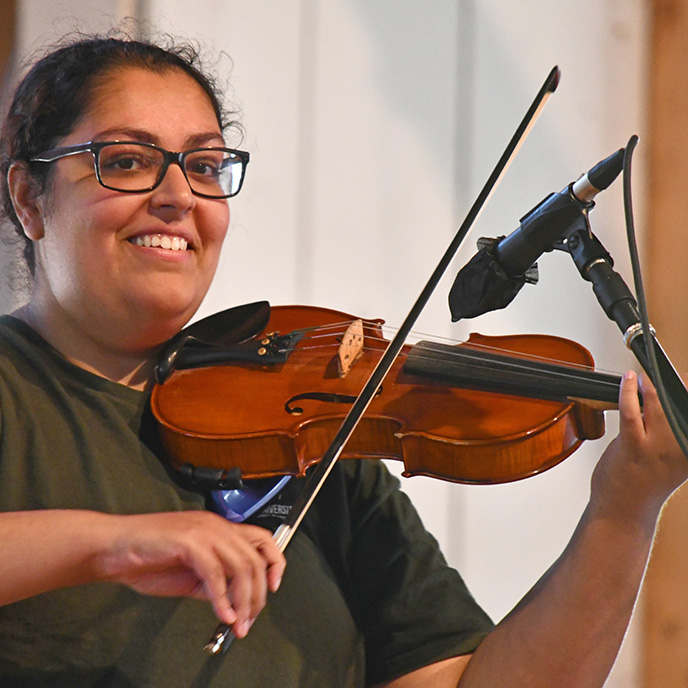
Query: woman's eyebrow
point(204, 139)
point(130, 134)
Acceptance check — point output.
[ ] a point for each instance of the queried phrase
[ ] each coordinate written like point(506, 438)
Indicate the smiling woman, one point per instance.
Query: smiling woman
point(116, 175)
point(92, 277)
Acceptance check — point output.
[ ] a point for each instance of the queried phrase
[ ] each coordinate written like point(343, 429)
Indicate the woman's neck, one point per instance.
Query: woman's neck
point(119, 361)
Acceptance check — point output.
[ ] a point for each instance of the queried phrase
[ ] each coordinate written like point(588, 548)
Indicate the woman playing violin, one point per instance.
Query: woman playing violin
point(116, 174)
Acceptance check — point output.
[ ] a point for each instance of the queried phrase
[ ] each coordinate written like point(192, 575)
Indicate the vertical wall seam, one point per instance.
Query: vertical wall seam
point(304, 164)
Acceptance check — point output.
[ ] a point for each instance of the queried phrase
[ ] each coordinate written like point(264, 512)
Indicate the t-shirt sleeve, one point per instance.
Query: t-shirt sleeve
point(414, 608)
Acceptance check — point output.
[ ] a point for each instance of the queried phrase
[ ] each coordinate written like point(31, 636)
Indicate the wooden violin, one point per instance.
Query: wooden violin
point(267, 396)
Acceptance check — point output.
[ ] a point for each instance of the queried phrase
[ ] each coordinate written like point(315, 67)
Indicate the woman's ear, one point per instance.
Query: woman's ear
point(25, 201)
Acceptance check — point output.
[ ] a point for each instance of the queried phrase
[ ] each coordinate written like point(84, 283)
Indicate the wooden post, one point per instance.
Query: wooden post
point(665, 596)
point(8, 13)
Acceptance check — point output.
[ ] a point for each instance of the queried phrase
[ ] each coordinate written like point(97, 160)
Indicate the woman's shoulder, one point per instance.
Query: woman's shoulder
point(12, 327)
point(21, 349)
point(29, 363)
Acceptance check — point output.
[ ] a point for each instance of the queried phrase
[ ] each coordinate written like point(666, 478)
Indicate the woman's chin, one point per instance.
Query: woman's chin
point(155, 323)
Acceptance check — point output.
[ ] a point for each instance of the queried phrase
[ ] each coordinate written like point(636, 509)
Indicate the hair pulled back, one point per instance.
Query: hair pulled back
point(58, 90)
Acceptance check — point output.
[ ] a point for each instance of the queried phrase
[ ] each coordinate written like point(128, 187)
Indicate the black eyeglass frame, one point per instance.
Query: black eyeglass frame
point(169, 157)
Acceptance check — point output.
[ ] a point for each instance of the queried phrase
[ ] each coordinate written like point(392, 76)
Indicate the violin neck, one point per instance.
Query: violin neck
point(515, 374)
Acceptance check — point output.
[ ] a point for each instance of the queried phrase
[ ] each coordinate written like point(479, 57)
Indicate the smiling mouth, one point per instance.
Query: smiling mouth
point(170, 243)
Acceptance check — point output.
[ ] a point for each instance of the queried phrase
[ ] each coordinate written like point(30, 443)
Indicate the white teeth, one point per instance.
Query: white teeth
point(171, 243)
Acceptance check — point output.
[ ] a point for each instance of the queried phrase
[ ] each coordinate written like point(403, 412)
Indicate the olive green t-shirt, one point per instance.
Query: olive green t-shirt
point(366, 595)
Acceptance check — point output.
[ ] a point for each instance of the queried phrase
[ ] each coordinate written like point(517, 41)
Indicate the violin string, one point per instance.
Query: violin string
point(474, 345)
point(516, 367)
point(336, 330)
point(522, 359)
point(568, 370)
point(493, 349)
point(520, 366)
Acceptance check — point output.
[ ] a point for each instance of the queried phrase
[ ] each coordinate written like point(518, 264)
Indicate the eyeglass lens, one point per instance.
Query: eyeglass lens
point(133, 167)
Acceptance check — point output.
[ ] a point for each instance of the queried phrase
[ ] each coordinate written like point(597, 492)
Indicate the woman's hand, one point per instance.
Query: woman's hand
point(644, 464)
point(196, 554)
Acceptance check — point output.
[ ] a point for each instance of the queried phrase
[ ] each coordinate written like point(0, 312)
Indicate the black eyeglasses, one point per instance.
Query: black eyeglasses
point(133, 167)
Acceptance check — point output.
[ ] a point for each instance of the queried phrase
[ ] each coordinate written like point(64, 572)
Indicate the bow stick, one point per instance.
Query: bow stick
point(223, 634)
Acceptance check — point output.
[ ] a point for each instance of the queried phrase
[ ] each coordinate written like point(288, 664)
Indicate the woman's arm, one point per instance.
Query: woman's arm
point(193, 554)
point(567, 630)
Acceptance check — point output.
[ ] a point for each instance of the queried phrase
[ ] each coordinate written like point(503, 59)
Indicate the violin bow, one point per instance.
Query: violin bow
point(223, 636)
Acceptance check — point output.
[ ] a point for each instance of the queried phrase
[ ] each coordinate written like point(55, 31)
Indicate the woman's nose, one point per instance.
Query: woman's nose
point(174, 190)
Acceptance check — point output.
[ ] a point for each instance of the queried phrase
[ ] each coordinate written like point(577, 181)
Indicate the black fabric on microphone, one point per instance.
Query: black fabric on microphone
point(493, 277)
point(482, 285)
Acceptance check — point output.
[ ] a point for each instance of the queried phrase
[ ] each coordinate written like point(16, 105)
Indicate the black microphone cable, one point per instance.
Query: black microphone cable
point(677, 421)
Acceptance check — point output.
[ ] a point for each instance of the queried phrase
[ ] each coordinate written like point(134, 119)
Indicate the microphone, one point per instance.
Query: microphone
point(493, 277)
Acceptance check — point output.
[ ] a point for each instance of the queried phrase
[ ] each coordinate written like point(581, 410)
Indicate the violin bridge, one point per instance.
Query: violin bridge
point(351, 347)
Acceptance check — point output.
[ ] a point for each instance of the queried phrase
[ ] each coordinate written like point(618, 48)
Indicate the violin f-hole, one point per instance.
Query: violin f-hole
point(328, 397)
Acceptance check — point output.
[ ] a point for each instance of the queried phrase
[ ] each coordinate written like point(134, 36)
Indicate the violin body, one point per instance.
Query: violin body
point(279, 417)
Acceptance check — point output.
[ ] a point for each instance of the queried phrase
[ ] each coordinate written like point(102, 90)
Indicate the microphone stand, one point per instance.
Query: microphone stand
point(595, 265)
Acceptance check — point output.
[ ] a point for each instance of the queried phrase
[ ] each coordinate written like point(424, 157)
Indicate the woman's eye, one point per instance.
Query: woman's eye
point(203, 168)
point(126, 162)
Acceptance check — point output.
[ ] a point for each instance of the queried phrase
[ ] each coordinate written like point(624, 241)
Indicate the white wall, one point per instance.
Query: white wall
point(372, 124)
